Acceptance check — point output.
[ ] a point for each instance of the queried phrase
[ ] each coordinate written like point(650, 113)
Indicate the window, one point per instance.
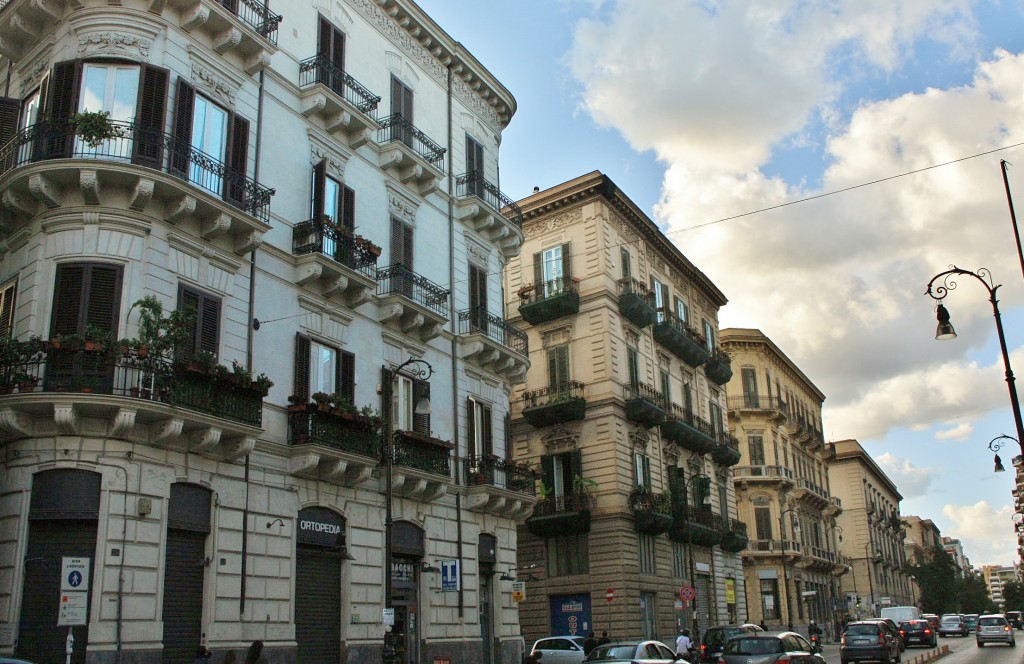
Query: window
point(406, 393)
point(477, 298)
point(110, 88)
point(567, 554)
point(627, 270)
point(666, 387)
point(749, 387)
point(86, 294)
point(205, 333)
point(642, 467)
point(709, 336)
point(8, 294)
point(715, 412)
point(660, 298)
point(558, 475)
point(401, 105)
point(682, 311)
point(551, 270)
point(401, 245)
point(763, 522)
point(679, 568)
point(480, 432)
point(633, 366)
point(332, 199)
point(755, 450)
point(558, 367)
point(474, 167)
point(687, 397)
point(770, 599)
point(320, 367)
point(646, 545)
point(723, 497)
point(331, 49)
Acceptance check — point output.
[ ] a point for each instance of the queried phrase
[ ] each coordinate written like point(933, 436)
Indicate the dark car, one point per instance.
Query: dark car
point(769, 648)
point(641, 652)
point(1015, 619)
point(869, 640)
point(713, 641)
point(933, 619)
point(918, 633)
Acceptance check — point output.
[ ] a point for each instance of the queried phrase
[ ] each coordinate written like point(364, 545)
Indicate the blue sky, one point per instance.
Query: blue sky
point(705, 110)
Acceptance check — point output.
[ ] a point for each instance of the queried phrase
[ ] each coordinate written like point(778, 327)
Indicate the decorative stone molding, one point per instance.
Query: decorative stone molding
point(556, 337)
point(671, 455)
point(561, 439)
point(209, 81)
point(114, 43)
point(478, 253)
point(402, 207)
point(540, 226)
point(639, 437)
point(321, 148)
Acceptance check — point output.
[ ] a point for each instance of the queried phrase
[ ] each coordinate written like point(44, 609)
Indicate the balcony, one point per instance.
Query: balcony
point(696, 525)
point(819, 559)
point(735, 538)
point(773, 548)
point(493, 344)
point(652, 512)
point(810, 493)
point(47, 166)
point(763, 476)
point(727, 451)
point(500, 487)
point(679, 338)
point(773, 408)
point(548, 301)
point(644, 404)
point(245, 27)
point(636, 303)
point(410, 154)
point(483, 207)
point(718, 367)
point(344, 265)
point(564, 402)
point(330, 445)
point(76, 390)
point(561, 515)
point(345, 106)
point(411, 303)
point(421, 466)
point(687, 430)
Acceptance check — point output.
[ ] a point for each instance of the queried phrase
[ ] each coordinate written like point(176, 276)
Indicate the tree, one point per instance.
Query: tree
point(974, 596)
point(937, 579)
point(1013, 595)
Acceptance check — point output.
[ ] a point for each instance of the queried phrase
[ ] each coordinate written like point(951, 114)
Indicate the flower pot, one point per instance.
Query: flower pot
point(27, 386)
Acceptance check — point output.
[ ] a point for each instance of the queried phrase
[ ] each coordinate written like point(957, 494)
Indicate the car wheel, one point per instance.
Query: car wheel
point(980, 644)
point(1013, 644)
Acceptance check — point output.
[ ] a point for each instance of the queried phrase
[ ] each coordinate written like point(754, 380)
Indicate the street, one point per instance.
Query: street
point(962, 651)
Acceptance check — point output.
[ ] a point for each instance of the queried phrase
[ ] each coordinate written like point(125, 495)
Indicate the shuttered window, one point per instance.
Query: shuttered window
point(474, 167)
point(10, 113)
point(749, 377)
point(322, 368)
point(478, 297)
point(480, 432)
point(86, 294)
point(558, 367)
point(8, 293)
point(205, 333)
point(627, 269)
point(331, 43)
point(401, 244)
point(551, 270)
point(642, 468)
point(763, 523)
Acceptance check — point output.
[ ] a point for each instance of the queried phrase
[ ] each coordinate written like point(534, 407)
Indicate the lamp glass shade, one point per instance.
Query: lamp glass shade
point(999, 465)
point(422, 406)
point(944, 330)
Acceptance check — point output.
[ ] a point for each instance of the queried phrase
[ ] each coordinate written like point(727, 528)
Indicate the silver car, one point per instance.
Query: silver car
point(994, 629)
point(768, 648)
point(560, 649)
point(639, 652)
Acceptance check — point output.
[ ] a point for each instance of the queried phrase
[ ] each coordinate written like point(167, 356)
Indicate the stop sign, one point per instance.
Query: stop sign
point(610, 595)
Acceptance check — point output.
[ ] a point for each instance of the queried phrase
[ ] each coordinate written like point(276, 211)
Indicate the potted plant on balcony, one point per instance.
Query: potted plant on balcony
point(159, 334)
point(322, 401)
point(96, 338)
point(95, 127)
point(368, 245)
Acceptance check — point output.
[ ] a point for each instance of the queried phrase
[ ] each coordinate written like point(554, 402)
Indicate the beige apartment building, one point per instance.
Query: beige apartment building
point(623, 413)
point(782, 485)
point(922, 539)
point(873, 532)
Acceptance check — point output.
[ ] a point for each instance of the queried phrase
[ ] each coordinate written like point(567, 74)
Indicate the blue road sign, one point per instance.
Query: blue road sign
point(75, 578)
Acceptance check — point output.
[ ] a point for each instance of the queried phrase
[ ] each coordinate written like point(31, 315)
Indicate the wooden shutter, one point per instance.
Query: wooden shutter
point(558, 367)
point(474, 158)
point(538, 274)
point(627, 271)
point(574, 468)
point(184, 106)
point(10, 114)
point(348, 208)
point(62, 102)
point(67, 299)
point(487, 444)
point(508, 435)
point(103, 299)
point(401, 243)
point(302, 359)
point(148, 145)
point(477, 293)
point(547, 471)
point(420, 390)
point(237, 160)
point(345, 383)
point(331, 43)
point(86, 294)
point(471, 442)
point(319, 189)
point(7, 299)
point(566, 266)
point(206, 329)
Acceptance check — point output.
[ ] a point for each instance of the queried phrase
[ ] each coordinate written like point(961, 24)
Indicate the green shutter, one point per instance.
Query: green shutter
point(471, 450)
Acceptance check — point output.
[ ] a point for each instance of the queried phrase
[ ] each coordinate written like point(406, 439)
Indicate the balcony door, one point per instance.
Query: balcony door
point(401, 105)
point(551, 269)
point(209, 137)
point(111, 89)
point(477, 299)
point(474, 167)
point(331, 49)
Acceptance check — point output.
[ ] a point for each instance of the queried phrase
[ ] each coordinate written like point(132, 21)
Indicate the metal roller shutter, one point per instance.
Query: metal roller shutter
point(183, 595)
point(318, 605)
point(48, 541)
point(703, 602)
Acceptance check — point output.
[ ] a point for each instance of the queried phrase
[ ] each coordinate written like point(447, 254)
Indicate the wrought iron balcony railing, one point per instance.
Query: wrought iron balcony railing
point(399, 280)
point(474, 184)
point(318, 236)
point(756, 402)
point(308, 424)
point(770, 472)
point(564, 391)
point(498, 473)
point(396, 128)
point(545, 290)
point(478, 320)
point(152, 148)
point(421, 452)
point(320, 69)
point(257, 15)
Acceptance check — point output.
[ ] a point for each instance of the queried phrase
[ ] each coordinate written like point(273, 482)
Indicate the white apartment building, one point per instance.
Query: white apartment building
point(320, 190)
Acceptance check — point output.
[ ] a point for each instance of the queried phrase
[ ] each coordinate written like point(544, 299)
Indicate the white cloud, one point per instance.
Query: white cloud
point(985, 532)
point(961, 432)
point(912, 481)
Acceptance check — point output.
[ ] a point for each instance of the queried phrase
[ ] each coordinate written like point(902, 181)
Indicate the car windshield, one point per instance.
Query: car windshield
point(865, 628)
point(716, 637)
point(613, 651)
point(951, 620)
point(989, 622)
point(753, 646)
point(913, 626)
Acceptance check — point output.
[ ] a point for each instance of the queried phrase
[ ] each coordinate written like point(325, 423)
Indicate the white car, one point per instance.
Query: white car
point(636, 652)
point(560, 649)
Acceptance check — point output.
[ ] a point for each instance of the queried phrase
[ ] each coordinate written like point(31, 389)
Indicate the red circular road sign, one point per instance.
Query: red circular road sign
point(687, 593)
point(610, 594)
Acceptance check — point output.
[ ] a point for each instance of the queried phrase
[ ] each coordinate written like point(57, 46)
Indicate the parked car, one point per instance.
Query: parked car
point(642, 652)
point(994, 628)
point(918, 633)
point(1016, 619)
point(9, 660)
point(713, 641)
point(869, 640)
point(560, 649)
point(769, 648)
point(934, 620)
point(953, 624)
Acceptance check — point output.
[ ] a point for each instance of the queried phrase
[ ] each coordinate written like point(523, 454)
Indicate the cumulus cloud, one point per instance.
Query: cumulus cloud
point(714, 88)
point(961, 432)
point(985, 531)
point(913, 481)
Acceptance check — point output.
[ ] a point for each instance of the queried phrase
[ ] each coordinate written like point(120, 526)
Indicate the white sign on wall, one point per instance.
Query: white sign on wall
point(73, 609)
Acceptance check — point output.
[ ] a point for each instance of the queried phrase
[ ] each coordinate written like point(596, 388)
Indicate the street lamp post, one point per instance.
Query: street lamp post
point(945, 328)
point(422, 370)
point(785, 568)
point(871, 585)
point(836, 619)
point(705, 502)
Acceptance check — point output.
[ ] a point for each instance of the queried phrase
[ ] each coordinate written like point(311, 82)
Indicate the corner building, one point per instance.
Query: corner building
point(782, 486)
point(321, 190)
point(623, 413)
